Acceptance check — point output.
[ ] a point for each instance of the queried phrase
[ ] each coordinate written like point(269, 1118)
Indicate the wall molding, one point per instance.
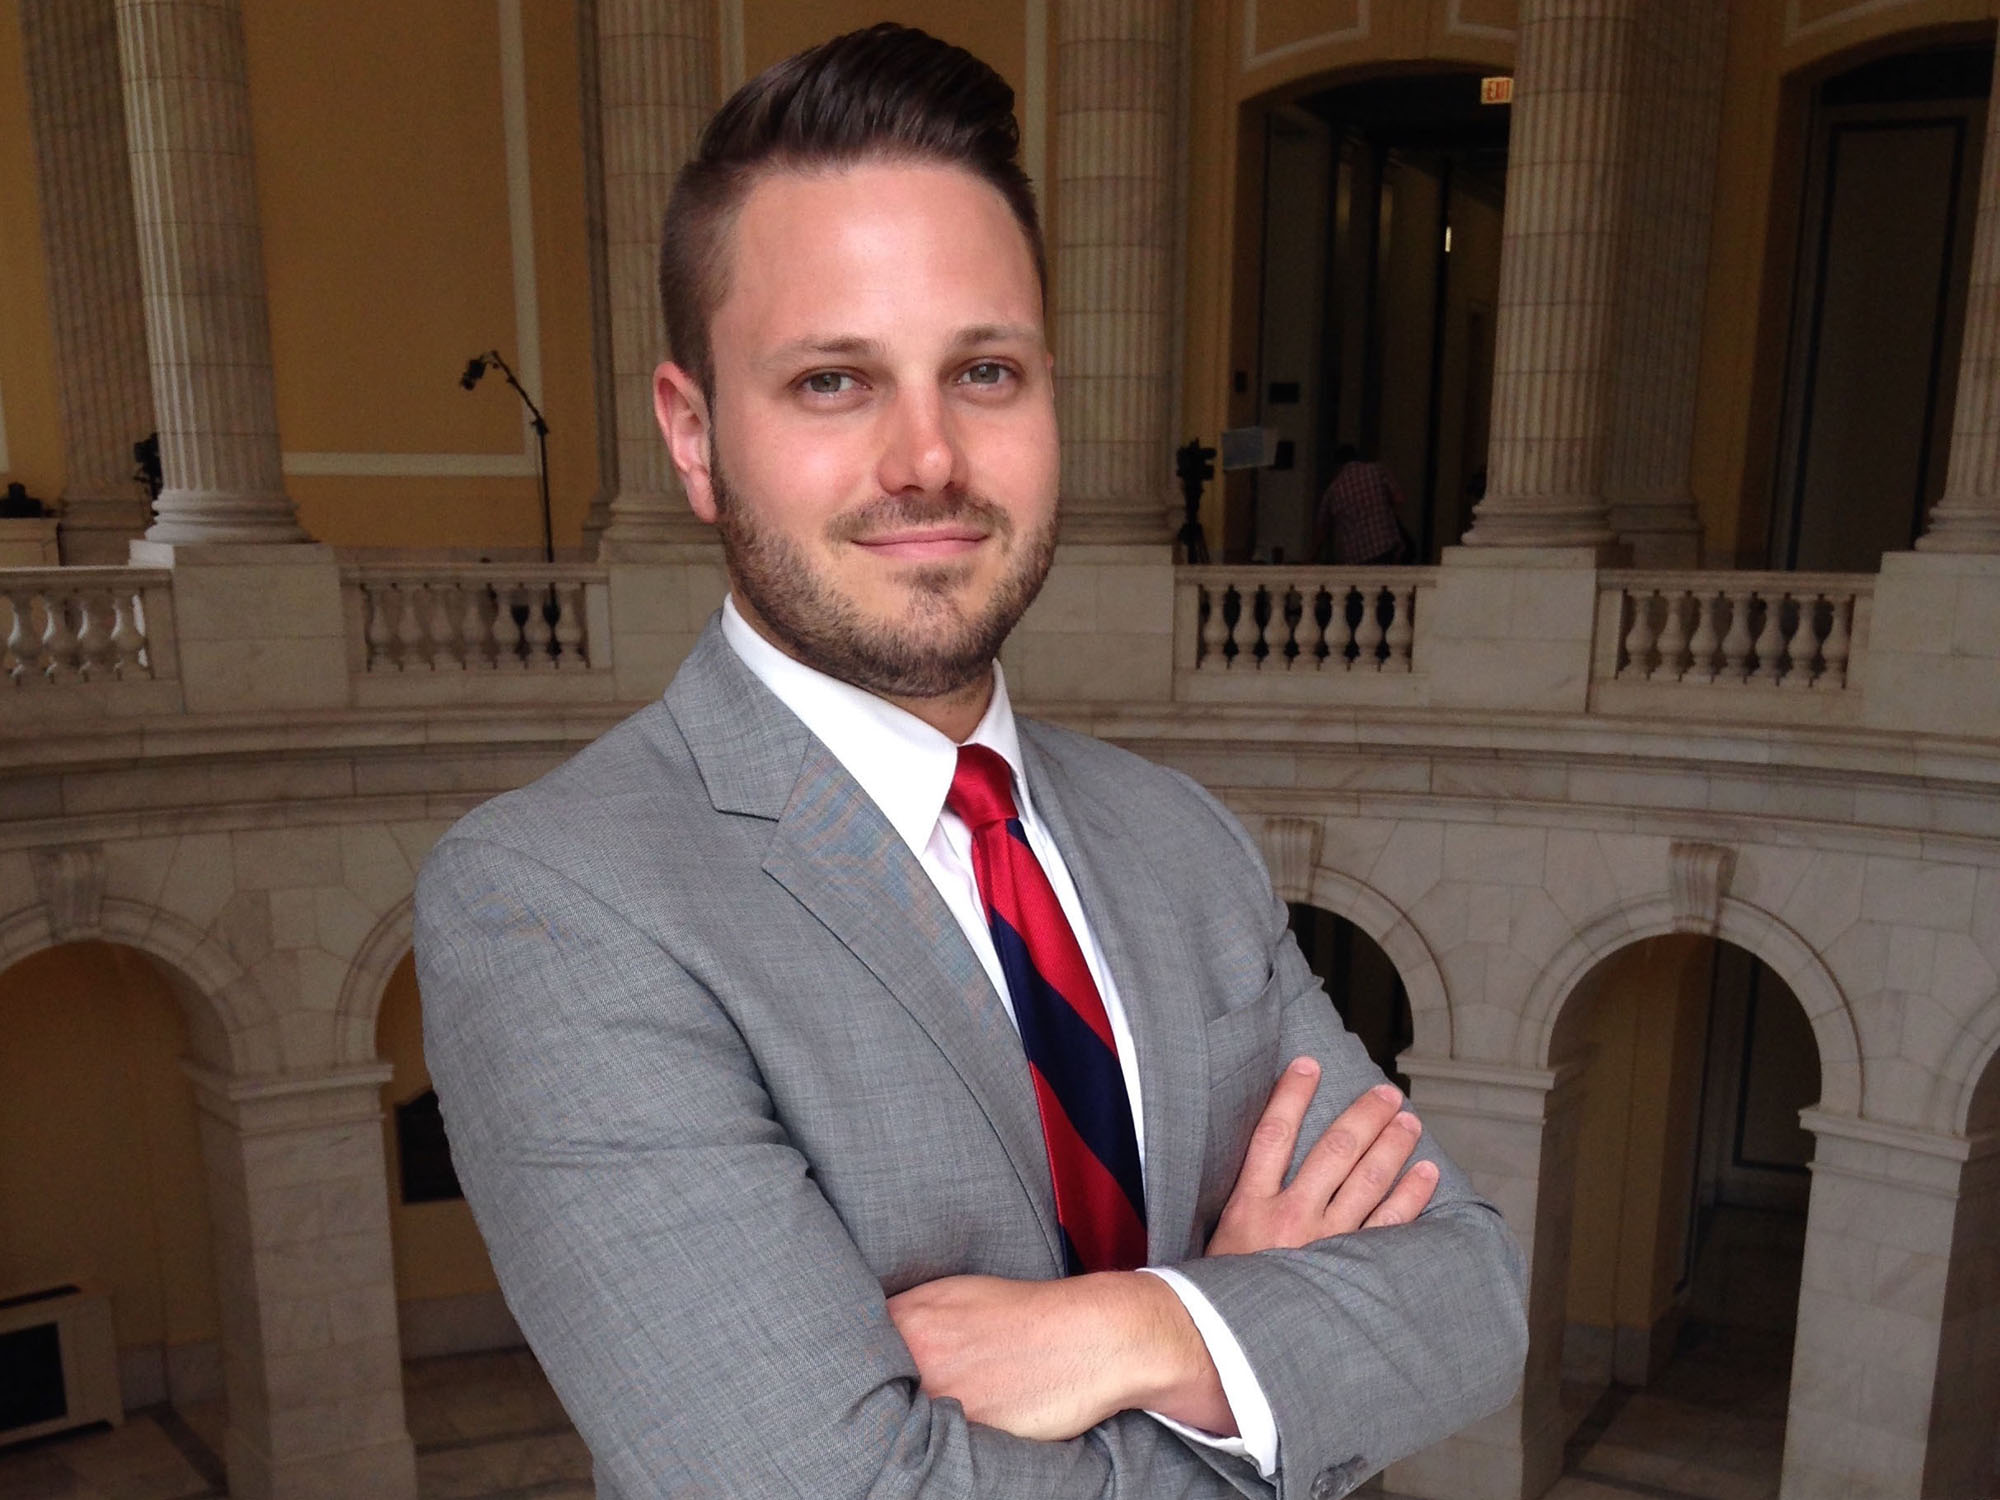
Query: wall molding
point(1455, 24)
point(1795, 28)
point(527, 351)
point(1253, 59)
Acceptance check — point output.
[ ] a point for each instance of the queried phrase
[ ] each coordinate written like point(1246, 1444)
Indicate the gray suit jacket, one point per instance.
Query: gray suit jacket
point(721, 1072)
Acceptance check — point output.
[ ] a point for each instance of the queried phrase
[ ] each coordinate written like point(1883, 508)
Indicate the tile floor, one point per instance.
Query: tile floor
point(487, 1427)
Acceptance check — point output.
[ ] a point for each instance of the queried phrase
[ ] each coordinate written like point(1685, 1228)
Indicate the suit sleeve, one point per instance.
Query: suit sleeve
point(707, 1321)
point(1368, 1346)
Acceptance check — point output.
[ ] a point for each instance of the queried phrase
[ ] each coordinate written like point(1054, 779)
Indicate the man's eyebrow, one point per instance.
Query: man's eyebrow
point(854, 346)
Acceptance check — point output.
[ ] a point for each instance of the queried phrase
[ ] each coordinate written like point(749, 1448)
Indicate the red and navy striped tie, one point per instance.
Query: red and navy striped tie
point(1072, 1056)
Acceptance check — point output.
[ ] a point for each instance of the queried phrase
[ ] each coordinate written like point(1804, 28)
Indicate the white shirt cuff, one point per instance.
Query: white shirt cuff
point(1258, 1441)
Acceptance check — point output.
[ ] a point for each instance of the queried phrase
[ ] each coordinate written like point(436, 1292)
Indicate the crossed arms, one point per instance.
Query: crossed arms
point(714, 1329)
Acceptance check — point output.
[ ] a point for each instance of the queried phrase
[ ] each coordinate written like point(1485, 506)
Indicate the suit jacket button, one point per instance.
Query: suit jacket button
point(1336, 1480)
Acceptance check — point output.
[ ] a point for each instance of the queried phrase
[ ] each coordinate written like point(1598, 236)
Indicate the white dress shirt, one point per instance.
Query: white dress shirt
point(906, 768)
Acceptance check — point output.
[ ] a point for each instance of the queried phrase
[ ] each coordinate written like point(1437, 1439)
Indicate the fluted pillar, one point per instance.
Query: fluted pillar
point(1676, 124)
point(1559, 273)
point(656, 89)
point(1967, 516)
point(1117, 77)
point(97, 311)
point(187, 114)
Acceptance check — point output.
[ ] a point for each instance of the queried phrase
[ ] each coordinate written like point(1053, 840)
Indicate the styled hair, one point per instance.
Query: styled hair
point(886, 93)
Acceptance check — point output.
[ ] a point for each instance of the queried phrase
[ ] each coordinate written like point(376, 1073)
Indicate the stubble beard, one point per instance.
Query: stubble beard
point(937, 649)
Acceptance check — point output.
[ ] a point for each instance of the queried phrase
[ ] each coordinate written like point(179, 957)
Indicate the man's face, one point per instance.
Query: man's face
point(881, 454)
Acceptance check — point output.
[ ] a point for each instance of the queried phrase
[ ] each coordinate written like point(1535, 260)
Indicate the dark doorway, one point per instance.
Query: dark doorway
point(1892, 181)
point(1381, 269)
point(1362, 980)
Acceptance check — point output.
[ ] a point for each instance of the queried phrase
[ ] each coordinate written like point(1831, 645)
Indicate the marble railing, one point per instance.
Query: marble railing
point(470, 632)
point(105, 635)
point(1291, 634)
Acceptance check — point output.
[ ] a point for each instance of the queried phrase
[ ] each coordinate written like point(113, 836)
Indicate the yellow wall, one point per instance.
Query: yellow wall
point(437, 1246)
point(101, 1179)
point(1642, 1035)
point(27, 356)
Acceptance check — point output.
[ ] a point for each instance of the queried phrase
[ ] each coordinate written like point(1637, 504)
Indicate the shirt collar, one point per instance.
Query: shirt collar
point(903, 764)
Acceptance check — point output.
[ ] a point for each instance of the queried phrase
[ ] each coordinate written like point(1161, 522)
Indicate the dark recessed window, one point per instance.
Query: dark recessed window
point(428, 1175)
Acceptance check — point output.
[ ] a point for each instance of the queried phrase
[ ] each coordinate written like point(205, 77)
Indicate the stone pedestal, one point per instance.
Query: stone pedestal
point(258, 627)
point(1871, 1357)
point(1511, 628)
point(1101, 630)
point(658, 609)
point(1514, 1131)
point(29, 542)
point(299, 1202)
point(1933, 661)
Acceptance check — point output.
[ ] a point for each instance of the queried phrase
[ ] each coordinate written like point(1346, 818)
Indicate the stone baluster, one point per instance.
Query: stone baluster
point(507, 630)
point(93, 636)
point(1639, 639)
point(1702, 644)
point(1402, 629)
point(409, 626)
point(378, 632)
point(1568, 162)
point(537, 631)
point(1117, 83)
point(1770, 640)
point(1736, 642)
point(128, 642)
point(1835, 648)
point(1368, 632)
point(23, 642)
point(655, 76)
point(59, 653)
point(1804, 644)
point(571, 655)
point(446, 653)
point(187, 112)
point(1672, 644)
point(1214, 630)
point(90, 238)
point(1967, 516)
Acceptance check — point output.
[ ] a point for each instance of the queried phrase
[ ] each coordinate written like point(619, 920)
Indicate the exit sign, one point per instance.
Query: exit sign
point(1496, 90)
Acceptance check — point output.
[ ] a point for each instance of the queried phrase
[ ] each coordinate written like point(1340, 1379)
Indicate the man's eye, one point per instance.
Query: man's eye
point(827, 383)
point(987, 372)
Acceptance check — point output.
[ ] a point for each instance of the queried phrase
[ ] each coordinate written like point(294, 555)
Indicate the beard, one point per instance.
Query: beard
point(938, 647)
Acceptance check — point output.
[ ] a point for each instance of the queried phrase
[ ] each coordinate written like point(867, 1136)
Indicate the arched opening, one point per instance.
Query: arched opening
point(1362, 981)
point(1380, 216)
point(1687, 1226)
point(109, 1304)
point(1962, 1454)
point(1884, 199)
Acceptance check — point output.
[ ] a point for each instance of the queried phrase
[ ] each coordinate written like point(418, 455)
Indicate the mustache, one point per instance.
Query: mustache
point(897, 512)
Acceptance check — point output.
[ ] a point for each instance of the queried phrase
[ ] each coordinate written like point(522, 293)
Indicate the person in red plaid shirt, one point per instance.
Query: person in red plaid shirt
point(1359, 509)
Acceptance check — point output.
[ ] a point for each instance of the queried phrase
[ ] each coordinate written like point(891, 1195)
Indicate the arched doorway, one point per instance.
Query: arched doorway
point(1380, 267)
point(1962, 1455)
point(1362, 982)
point(1688, 1223)
point(103, 1189)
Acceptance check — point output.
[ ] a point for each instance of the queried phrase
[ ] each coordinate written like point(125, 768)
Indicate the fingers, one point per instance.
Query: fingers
point(1269, 1155)
point(1369, 1184)
point(1343, 1144)
point(1407, 1199)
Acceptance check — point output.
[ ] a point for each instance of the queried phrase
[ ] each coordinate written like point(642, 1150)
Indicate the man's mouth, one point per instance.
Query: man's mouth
point(923, 543)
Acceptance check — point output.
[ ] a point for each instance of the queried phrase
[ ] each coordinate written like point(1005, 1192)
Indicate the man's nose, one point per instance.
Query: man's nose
point(921, 451)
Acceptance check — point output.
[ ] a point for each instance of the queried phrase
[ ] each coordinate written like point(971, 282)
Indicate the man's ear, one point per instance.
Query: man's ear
point(682, 412)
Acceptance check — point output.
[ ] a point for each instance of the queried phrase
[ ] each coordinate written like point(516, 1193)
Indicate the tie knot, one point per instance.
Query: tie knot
point(982, 789)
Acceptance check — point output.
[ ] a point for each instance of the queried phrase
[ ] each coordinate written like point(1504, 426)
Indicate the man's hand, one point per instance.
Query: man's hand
point(1052, 1359)
point(1347, 1181)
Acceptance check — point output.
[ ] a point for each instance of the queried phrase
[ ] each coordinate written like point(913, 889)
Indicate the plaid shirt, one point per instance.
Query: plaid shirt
point(1361, 504)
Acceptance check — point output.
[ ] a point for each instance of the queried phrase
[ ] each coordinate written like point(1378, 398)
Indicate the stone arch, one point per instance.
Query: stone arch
point(1748, 927)
point(1392, 930)
point(1976, 1049)
point(229, 1017)
point(1289, 70)
point(1866, 31)
point(367, 977)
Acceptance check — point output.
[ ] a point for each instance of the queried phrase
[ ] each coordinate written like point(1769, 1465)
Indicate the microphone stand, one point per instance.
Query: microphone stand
point(477, 367)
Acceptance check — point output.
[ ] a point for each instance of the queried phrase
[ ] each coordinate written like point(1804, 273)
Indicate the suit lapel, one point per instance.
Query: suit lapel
point(838, 856)
point(1139, 935)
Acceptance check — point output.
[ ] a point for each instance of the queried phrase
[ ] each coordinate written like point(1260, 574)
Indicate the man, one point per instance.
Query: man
point(1359, 513)
point(800, 1035)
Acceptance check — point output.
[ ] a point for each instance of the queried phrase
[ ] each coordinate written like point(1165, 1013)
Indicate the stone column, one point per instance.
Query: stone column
point(104, 391)
point(656, 89)
point(1962, 1455)
point(1870, 1368)
point(1116, 97)
point(1559, 261)
point(298, 1196)
point(1514, 1131)
point(1967, 516)
point(1676, 124)
point(187, 113)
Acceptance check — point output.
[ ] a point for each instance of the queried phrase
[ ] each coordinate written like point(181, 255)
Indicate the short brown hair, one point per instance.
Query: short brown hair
point(887, 93)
